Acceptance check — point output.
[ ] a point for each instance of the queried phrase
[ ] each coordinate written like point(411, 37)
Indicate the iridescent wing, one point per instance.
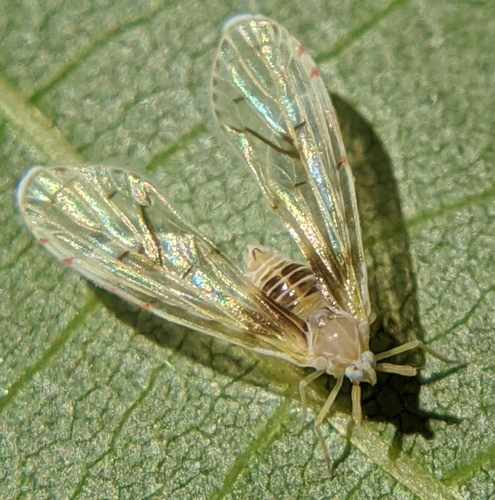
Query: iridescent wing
point(270, 101)
point(115, 229)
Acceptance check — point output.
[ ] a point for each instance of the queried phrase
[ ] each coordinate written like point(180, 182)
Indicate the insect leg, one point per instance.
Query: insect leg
point(302, 391)
point(404, 370)
point(321, 416)
point(409, 346)
point(357, 412)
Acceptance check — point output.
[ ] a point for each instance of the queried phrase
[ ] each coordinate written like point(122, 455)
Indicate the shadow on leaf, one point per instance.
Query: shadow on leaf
point(392, 283)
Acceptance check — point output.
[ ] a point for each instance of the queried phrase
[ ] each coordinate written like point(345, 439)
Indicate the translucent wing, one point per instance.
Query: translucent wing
point(269, 99)
point(115, 229)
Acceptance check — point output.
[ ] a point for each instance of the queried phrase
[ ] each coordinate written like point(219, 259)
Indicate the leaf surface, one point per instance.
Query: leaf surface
point(103, 401)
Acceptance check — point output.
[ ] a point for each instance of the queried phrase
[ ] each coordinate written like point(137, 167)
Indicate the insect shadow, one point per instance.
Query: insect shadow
point(392, 282)
point(394, 399)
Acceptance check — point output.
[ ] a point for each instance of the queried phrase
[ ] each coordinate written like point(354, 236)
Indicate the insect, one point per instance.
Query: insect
point(113, 227)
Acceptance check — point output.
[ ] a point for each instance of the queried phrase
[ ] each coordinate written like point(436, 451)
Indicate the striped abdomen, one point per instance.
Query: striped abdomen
point(286, 282)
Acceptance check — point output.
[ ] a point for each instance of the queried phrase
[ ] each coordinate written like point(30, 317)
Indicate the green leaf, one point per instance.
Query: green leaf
point(100, 400)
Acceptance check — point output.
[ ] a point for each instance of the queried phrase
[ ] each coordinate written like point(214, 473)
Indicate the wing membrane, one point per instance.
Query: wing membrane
point(270, 101)
point(114, 228)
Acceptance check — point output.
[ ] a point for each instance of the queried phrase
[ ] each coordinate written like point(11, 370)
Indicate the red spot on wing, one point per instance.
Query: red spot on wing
point(147, 305)
point(342, 161)
point(68, 261)
point(314, 73)
point(43, 241)
point(301, 50)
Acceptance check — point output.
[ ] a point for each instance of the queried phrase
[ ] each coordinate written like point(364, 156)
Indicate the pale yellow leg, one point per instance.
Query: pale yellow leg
point(321, 416)
point(404, 370)
point(409, 346)
point(357, 412)
point(302, 391)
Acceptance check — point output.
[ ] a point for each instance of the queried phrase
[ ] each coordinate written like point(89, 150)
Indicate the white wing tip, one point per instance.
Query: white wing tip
point(24, 182)
point(235, 19)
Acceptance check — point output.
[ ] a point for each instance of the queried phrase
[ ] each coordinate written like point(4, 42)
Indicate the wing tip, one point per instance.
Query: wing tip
point(232, 21)
point(24, 183)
